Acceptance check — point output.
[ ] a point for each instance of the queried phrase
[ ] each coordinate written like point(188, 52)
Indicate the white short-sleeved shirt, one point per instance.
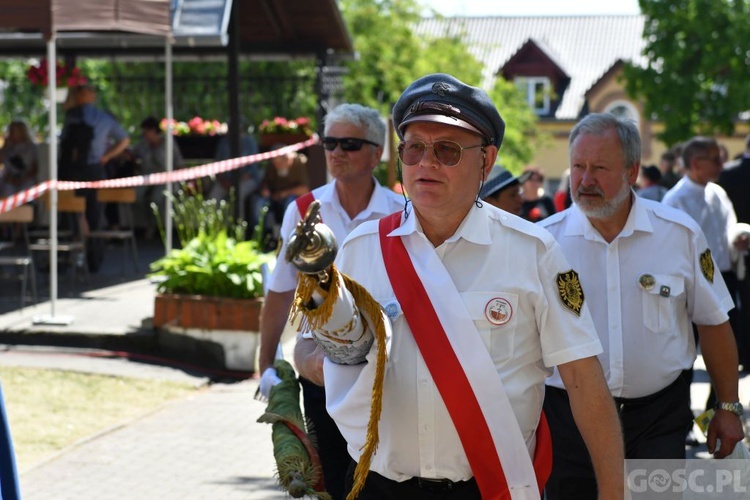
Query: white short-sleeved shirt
point(492, 254)
point(711, 208)
point(382, 202)
point(645, 330)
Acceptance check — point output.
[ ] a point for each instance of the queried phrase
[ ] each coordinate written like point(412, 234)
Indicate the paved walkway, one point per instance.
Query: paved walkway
point(205, 446)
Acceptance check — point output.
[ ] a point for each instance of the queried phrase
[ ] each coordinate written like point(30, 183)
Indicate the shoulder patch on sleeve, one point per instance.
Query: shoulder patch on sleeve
point(570, 291)
point(707, 265)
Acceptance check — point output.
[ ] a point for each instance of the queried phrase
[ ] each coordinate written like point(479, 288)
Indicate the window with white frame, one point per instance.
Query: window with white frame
point(537, 92)
point(623, 109)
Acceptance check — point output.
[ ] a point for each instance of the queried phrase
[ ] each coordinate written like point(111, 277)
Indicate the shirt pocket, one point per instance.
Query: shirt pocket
point(495, 315)
point(661, 302)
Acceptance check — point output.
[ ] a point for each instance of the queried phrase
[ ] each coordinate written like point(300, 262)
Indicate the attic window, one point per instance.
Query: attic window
point(537, 92)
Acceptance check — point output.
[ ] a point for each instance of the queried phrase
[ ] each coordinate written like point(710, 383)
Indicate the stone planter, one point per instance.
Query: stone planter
point(190, 321)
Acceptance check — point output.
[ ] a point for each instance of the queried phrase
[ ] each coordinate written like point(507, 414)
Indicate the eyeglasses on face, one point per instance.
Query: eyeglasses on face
point(347, 143)
point(447, 153)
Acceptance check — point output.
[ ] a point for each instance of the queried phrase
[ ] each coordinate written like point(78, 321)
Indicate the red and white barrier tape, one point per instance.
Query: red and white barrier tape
point(181, 175)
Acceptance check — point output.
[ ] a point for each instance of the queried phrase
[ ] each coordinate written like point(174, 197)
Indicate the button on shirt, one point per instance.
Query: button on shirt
point(711, 208)
point(646, 330)
point(492, 255)
point(382, 202)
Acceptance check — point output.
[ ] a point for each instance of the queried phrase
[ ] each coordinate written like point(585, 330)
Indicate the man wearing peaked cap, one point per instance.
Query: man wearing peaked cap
point(503, 190)
point(469, 334)
point(444, 99)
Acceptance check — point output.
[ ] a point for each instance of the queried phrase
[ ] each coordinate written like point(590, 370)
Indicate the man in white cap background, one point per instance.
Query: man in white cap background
point(470, 332)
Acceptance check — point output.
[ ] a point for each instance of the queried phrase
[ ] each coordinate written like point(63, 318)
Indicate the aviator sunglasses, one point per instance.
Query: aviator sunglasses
point(447, 153)
point(347, 143)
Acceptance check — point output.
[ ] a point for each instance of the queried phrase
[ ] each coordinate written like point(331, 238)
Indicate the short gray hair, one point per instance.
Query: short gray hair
point(367, 119)
point(601, 123)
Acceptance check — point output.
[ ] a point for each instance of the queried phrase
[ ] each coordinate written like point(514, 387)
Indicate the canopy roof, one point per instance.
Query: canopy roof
point(107, 27)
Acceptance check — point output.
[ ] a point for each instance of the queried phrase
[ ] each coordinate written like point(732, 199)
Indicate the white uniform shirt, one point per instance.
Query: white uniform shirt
point(382, 202)
point(711, 208)
point(646, 333)
point(492, 254)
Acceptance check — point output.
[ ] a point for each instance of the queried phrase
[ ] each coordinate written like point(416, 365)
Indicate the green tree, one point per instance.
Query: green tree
point(391, 56)
point(697, 55)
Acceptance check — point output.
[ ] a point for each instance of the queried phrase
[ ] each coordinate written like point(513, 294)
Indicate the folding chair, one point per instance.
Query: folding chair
point(124, 198)
point(22, 216)
point(75, 247)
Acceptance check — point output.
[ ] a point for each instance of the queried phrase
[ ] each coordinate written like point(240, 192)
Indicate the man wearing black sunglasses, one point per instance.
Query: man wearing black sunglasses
point(478, 307)
point(353, 143)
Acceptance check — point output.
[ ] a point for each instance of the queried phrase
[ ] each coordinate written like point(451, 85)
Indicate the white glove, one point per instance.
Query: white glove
point(268, 380)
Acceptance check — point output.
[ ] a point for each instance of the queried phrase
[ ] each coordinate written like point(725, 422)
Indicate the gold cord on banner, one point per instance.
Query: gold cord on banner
point(315, 318)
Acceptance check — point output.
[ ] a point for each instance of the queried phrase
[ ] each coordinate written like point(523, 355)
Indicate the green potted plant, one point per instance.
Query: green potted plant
point(212, 287)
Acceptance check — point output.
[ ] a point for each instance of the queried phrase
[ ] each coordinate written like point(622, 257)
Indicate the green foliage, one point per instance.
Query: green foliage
point(391, 56)
point(695, 77)
point(521, 135)
point(214, 260)
point(215, 265)
point(193, 214)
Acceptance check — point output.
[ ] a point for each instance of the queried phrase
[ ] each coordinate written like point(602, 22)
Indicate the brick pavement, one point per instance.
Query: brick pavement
point(206, 446)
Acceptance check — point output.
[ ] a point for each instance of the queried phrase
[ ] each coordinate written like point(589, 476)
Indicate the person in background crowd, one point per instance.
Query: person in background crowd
point(669, 167)
point(474, 316)
point(562, 197)
point(503, 190)
point(151, 158)
point(648, 273)
point(735, 179)
point(90, 138)
point(285, 179)
point(707, 203)
point(249, 176)
point(536, 204)
point(649, 182)
point(20, 159)
point(353, 144)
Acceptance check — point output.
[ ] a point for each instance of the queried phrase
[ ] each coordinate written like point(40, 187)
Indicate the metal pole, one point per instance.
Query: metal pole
point(170, 138)
point(52, 319)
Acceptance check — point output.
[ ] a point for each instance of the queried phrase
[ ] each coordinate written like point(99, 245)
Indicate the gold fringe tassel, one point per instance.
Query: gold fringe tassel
point(365, 302)
point(315, 318)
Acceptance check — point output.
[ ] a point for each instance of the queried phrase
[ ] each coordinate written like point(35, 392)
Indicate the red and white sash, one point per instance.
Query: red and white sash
point(464, 373)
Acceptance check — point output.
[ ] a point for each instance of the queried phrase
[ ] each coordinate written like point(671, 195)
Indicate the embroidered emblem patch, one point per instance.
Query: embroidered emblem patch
point(707, 265)
point(498, 311)
point(570, 291)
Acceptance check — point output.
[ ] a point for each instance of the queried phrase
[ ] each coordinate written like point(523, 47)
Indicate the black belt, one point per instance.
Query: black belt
point(644, 400)
point(436, 485)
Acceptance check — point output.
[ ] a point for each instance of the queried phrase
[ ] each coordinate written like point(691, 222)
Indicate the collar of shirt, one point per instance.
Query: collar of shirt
point(638, 220)
point(475, 227)
point(378, 202)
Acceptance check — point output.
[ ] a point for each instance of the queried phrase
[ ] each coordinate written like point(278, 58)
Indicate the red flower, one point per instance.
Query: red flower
point(66, 75)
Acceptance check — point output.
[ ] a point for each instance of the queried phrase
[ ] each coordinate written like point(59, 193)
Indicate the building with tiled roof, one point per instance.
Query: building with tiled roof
point(569, 66)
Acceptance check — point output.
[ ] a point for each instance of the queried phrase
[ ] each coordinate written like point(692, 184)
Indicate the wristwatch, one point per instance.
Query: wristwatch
point(735, 408)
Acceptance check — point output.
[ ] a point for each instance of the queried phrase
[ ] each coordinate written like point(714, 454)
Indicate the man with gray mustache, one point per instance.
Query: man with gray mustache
point(647, 273)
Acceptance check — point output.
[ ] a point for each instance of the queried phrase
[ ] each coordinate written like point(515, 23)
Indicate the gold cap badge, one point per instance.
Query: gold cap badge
point(570, 291)
point(707, 265)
